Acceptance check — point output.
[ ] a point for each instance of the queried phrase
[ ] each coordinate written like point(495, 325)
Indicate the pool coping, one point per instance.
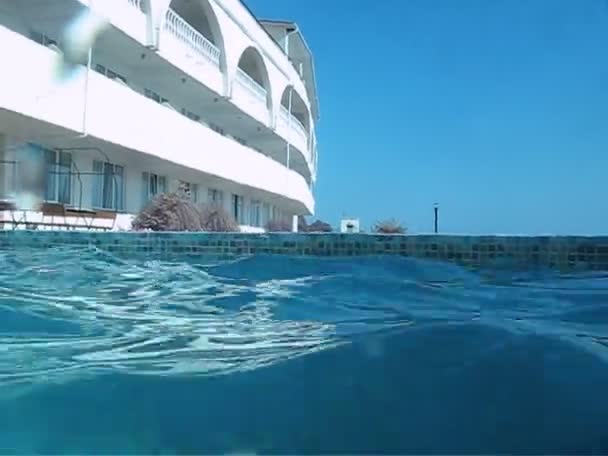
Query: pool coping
point(555, 252)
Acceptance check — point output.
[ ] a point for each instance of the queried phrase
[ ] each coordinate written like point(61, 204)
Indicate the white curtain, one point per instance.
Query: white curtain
point(108, 186)
point(152, 185)
point(97, 184)
point(50, 175)
point(64, 178)
point(119, 188)
point(145, 188)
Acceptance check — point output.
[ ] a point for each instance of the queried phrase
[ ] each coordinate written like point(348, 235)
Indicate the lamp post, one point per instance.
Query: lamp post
point(436, 210)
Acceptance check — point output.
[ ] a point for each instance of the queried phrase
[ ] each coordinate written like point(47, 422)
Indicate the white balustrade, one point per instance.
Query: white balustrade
point(249, 84)
point(284, 115)
point(136, 4)
point(188, 35)
point(291, 121)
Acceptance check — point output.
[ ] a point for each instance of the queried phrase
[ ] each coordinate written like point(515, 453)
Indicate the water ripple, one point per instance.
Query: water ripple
point(69, 313)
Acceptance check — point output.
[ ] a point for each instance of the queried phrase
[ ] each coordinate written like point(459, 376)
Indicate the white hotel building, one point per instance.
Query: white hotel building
point(173, 92)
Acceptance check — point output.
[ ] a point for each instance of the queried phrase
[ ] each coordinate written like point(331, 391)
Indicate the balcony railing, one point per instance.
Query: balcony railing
point(251, 86)
point(136, 4)
point(184, 32)
point(294, 123)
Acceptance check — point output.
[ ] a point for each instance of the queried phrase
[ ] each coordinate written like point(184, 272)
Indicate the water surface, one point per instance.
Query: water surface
point(100, 354)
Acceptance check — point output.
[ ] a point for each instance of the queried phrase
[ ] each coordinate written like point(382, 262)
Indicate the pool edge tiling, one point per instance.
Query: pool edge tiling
point(555, 252)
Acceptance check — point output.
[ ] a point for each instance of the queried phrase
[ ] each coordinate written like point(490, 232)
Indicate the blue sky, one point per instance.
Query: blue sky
point(496, 109)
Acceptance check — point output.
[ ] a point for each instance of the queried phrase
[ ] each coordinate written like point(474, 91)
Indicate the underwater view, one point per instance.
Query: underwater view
point(285, 355)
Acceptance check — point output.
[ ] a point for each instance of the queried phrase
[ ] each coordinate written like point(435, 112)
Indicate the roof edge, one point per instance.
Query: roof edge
point(298, 32)
point(260, 22)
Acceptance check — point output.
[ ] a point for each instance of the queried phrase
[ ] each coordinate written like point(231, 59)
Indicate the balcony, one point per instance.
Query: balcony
point(200, 46)
point(293, 124)
point(250, 95)
point(292, 130)
point(136, 3)
point(187, 48)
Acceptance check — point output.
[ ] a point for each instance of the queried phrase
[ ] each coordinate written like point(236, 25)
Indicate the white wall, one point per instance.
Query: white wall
point(124, 118)
point(134, 166)
point(238, 29)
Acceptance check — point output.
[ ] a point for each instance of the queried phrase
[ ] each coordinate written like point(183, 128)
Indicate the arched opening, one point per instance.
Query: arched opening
point(252, 73)
point(294, 110)
point(194, 22)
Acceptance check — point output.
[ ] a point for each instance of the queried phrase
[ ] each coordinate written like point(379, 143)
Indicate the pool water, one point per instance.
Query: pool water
point(281, 355)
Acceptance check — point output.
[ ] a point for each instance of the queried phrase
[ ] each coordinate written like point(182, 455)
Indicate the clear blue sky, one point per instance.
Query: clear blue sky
point(496, 109)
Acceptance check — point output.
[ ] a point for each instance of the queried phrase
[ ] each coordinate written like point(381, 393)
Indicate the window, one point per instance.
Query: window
point(43, 39)
point(63, 167)
point(152, 185)
point(190, 115)
point(154, 96)
point(191, 190)
point(255, 214)
point(280, 216)
point(240, 140)
point(56, 173)
point(217, 128)
point(58, 176)
point(215, 197)
point(265, 214)
point(108, 186)
point(237, 209)
point(109, 73)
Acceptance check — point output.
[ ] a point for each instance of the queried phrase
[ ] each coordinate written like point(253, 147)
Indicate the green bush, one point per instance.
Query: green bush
point(278, 226)
point(177, 212)
point(319, 227)
point(390, 226)
point(214, 218)
point(168, 212)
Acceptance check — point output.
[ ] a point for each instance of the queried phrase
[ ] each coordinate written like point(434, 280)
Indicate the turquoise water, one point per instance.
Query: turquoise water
point(280, 355)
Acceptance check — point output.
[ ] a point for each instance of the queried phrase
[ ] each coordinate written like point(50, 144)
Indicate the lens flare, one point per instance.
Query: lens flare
point(78, 38)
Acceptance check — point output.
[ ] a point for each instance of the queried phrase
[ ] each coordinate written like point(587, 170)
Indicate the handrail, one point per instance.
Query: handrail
point(180, 29)
point(284, 113)
point(251, 85)
point(294, 122)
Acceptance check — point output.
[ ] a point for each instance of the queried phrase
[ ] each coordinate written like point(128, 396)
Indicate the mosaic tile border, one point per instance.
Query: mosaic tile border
point(555, 252)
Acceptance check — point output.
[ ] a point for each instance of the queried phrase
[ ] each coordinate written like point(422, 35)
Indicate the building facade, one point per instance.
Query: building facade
point(196, 94)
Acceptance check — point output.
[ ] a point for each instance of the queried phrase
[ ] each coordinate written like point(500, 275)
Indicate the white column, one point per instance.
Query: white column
point(156, 19)
point(294, 224)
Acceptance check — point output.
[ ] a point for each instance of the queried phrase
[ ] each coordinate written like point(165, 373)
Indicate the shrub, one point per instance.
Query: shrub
point(215, 218)
point(278, 226)
point(319, 227)
point(391, 226)
point(316, 227)
point(176, 212)
point(168, 212)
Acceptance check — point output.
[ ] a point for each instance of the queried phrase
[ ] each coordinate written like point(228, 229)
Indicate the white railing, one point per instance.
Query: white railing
point(136, 4)
point(293, 122)
point(248, 83)
point(184, 32)
point(284, 115)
